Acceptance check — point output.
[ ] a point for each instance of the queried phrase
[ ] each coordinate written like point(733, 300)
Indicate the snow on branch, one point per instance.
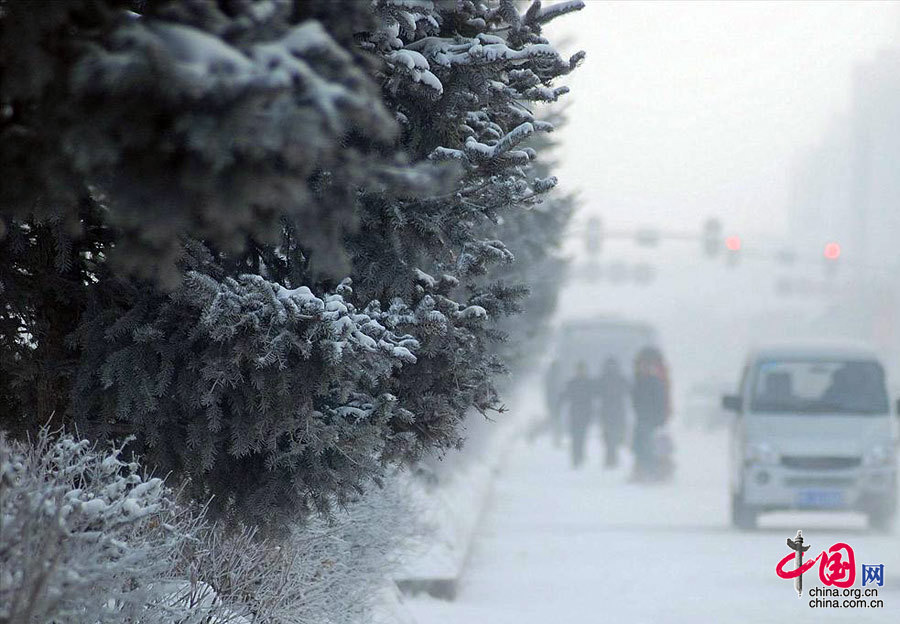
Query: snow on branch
point(473, 151)
point(448, 53)
point(542, 185)
point(411, 5)
point(477, 255)
point(198, 65)
point(417, 67)
point(250, 302)
point(538, 15)
point(545, 94)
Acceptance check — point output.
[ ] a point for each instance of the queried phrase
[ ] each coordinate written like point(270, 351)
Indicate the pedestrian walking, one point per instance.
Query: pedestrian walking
point(579, 395)
point(650, 398)
point(613, 389)
point(552, 393)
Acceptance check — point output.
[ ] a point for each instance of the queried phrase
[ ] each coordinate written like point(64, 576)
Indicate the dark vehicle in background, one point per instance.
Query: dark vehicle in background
point(594, 340)
point(593, 343)
point(813, 430)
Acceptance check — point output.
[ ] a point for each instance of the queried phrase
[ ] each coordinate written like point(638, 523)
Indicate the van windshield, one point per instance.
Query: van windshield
point(819, 387)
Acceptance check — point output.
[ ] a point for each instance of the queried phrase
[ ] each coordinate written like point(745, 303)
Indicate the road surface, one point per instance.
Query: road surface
point(557, 546)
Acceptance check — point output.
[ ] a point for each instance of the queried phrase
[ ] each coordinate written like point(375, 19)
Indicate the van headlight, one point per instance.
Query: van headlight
point(879, 455)
point(760, 453)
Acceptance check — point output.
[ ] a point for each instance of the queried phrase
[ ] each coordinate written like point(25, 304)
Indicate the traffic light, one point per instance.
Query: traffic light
point(712, 237)
point(831, 252)
point(733, 244)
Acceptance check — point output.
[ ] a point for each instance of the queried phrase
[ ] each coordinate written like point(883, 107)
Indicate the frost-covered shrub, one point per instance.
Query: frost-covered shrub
point(326, 571)
point(85, 536)
point(338, 568)
point(232, 575)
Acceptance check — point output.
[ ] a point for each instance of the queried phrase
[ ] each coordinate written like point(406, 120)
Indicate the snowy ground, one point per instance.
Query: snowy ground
point(561, 546)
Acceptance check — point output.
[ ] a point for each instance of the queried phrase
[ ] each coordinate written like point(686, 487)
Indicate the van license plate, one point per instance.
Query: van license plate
point(820, 498)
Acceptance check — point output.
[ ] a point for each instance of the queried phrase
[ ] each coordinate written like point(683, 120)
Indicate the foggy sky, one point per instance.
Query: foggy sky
point(684, 110)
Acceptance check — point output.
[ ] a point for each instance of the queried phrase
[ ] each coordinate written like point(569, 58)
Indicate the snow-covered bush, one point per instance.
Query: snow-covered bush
point(326, 571)
point(343, 564)
point(85, 536)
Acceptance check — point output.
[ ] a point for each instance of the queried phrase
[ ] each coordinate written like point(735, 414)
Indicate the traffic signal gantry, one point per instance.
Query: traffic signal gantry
point(712, 238)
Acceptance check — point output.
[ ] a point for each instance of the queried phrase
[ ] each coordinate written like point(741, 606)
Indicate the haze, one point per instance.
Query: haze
point(688, 109)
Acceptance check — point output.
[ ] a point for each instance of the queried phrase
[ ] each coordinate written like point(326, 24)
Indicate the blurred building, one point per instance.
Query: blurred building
point(875, 149)
point(821, 192)
point(847, 188)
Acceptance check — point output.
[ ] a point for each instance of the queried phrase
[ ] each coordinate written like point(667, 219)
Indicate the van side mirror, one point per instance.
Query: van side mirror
point(732, 402)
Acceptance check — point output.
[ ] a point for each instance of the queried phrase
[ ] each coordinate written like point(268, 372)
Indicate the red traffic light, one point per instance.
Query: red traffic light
point(832, 251)
point(733, 243)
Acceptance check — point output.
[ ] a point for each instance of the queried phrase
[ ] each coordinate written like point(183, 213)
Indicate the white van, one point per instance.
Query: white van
point(813, 430)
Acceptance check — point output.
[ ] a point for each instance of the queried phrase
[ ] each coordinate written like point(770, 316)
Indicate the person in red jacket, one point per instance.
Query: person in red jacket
point(650, 398)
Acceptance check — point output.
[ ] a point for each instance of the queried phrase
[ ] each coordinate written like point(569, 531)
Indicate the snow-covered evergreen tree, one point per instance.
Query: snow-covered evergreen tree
point(462, 78)
point(258, 235)
point(534, 236)
point(127, 127)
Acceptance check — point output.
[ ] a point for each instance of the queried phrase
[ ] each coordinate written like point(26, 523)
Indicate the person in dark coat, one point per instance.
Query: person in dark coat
point(552, 391)
point(650, 398)
point(579, 394)
point(613, 389)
